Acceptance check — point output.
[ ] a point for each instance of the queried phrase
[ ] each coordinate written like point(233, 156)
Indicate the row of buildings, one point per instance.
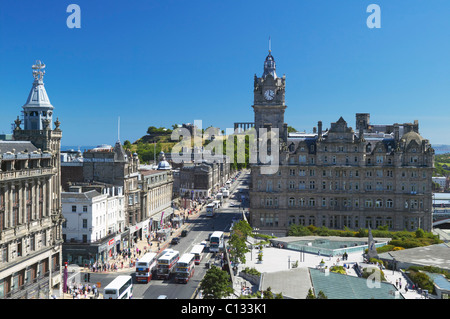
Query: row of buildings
point(110, 202)
point(58, 207)
point(81, 207)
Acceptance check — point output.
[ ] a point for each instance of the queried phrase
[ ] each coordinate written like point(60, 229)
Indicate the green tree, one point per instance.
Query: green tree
point(321, 295)
point(216, 284)
point(420, 233)
point(243, 227)
point(127, 144)
point(268, 294)
point(238, 241)
point(310, 294)
point(238, 248)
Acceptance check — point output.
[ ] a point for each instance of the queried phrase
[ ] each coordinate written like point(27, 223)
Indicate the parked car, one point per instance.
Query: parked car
point(184, 233)
point(175, 240)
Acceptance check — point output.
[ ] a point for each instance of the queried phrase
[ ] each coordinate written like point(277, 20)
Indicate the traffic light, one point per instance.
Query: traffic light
point(87, 277)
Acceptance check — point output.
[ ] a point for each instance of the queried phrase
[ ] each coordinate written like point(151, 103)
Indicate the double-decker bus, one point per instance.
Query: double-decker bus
point(197, 251)
point(210, 209)
point(216, 242)
point(145, 267)
point(166, 263)
point(120, 288)
point(184, 269)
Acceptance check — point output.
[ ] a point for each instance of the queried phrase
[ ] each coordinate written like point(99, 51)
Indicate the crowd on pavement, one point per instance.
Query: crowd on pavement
point(125, 260)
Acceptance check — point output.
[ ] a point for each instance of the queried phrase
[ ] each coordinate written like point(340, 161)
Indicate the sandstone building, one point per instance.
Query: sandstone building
point(30, 201)
point(373, 176)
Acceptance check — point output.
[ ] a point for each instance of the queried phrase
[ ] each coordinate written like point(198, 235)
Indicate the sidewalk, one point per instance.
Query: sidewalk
point(128, 263)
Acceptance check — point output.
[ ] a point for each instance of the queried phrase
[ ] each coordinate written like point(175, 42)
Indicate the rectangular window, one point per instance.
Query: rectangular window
point(74, 209)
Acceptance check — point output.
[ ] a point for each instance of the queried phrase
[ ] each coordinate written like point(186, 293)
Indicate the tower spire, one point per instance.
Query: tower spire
point(270, 45)
point(118, 129)
point(37, 111)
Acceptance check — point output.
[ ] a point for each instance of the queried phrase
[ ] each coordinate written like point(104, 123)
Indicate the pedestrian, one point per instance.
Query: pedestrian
point(396, 283)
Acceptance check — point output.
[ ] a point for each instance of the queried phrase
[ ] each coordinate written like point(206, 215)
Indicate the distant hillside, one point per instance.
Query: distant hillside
point(441, 148)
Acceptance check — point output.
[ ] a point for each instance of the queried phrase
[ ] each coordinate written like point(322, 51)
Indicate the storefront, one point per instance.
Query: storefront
point(162, 219)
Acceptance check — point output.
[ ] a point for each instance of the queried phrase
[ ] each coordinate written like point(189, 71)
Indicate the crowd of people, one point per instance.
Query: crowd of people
point(83, 291)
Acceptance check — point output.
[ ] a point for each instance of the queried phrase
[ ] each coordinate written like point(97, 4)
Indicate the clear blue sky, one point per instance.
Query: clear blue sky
point(157, 63)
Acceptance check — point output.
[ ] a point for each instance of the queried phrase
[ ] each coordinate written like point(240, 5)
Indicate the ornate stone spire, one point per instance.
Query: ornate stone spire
point(37, 110)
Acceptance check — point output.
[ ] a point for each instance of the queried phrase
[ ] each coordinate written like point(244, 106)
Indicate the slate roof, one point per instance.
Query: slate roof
point(18, 146)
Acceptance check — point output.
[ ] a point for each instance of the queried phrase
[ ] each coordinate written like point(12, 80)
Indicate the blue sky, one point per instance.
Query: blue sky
point(157, 63)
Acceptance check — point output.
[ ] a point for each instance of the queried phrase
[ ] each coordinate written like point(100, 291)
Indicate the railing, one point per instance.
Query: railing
point(25, 173)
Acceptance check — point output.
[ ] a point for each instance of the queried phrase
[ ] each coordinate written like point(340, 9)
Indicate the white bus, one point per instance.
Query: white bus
point(120, 288)
point(197, 251)
point(145, 267)
point(228, 184)
point(217, 203)
point(185, 268)
point(166, 263)
point(226, 193)
point(210, 209)
point(216, 242)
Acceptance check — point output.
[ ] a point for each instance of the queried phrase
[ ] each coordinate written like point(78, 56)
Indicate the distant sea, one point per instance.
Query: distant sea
point(82, 148)
point(441, 148)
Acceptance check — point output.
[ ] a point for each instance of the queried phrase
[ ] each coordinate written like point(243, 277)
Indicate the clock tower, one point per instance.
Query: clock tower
point(268, 103)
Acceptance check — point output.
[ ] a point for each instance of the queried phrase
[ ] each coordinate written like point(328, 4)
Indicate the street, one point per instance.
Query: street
point(198, 231)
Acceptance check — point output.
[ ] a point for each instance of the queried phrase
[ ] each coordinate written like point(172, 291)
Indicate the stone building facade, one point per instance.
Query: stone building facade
point(378, 175)
point(114, 166)
point(94, 223)
point(30, 201)
point(157, 190)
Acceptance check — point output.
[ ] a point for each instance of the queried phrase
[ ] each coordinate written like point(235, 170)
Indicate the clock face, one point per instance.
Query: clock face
point(269, 94)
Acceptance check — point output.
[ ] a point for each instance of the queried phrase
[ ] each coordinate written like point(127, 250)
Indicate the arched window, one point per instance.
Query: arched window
point(301, 202)
point(291, 202)
point(301, 220)
point(379, 203)
point(389, 203)
point(291, 220)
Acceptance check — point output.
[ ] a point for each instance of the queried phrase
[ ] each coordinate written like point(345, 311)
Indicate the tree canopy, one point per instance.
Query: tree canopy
point(216, 284)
